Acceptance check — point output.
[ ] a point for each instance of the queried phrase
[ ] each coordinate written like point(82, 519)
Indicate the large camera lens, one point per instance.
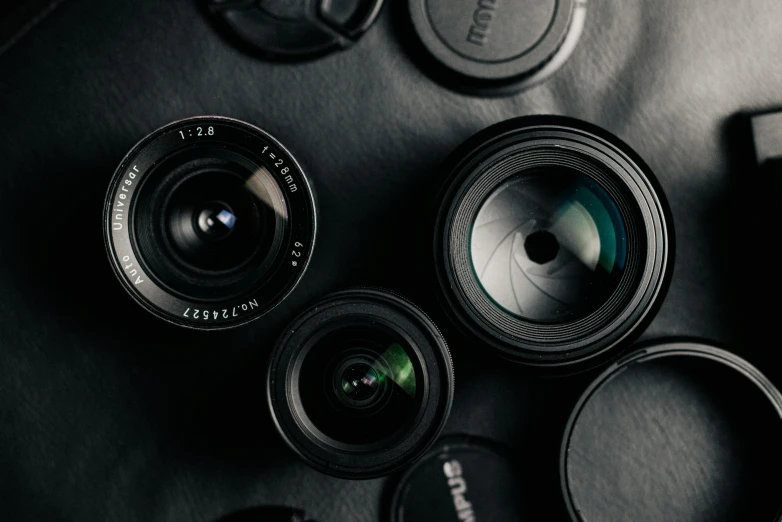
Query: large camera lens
point(360, 384)
point(209, 222)
point(552, 241)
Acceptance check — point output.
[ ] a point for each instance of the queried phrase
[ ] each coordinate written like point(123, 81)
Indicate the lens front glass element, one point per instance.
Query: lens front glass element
point(359, 384)
point(361, 381)
point(549, 245)
point(209, 224)
point(214, 222)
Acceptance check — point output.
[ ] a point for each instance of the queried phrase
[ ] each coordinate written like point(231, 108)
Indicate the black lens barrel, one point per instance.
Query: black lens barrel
point(407, 383)
point(584, 289)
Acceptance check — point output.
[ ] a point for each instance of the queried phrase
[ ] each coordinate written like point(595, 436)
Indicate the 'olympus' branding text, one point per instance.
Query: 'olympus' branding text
point(453, 471)
point(482, 18)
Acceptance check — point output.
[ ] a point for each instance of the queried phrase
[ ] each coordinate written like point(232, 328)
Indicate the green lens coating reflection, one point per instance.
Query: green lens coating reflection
point(400, 368)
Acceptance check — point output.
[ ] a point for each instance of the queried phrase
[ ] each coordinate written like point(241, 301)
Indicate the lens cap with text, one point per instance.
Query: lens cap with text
point(292, 29)
point(461, 478)
point(496, 46)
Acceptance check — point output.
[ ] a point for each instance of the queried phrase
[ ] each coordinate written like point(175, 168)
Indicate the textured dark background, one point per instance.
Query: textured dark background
point(108, 414)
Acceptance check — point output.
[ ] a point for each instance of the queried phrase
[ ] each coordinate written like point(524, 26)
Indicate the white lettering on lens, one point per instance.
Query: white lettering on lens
point(212, 315)
point(291, 185)
point(118, 216)
point(132, 271)
point(458, 486)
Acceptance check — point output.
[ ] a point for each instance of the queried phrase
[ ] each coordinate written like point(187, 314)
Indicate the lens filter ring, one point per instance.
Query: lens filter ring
point(360, 384)
point(209, 222)
point(674, 404)
point(553, 241)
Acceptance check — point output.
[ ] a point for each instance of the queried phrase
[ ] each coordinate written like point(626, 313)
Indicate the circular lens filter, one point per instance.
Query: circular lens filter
point(675, 431)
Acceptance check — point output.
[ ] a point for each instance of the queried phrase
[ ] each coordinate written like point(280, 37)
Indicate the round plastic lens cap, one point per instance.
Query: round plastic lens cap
point(461, 478)
point(497, 46)
point(291, 29)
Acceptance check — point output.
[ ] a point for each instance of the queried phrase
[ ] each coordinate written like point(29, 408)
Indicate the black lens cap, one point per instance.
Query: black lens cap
point(497, 46)
point(291, 29)
point(460, 478)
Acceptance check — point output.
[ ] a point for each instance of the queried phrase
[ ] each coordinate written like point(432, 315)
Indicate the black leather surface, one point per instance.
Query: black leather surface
point(700, 439)
point(107, 414)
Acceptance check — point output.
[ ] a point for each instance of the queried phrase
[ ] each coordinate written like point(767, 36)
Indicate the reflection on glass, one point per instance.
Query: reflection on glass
point(548, 246)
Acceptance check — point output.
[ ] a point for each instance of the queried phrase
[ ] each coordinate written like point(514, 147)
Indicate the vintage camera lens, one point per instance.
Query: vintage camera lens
point(209, 222)
point(360, 384)
point(553, 242)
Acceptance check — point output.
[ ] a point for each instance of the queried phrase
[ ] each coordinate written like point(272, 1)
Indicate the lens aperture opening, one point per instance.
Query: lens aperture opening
point(360, 381)
point(548, 245)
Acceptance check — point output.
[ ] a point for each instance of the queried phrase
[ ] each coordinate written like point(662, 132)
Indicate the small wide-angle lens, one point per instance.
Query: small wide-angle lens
point(360, 384)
